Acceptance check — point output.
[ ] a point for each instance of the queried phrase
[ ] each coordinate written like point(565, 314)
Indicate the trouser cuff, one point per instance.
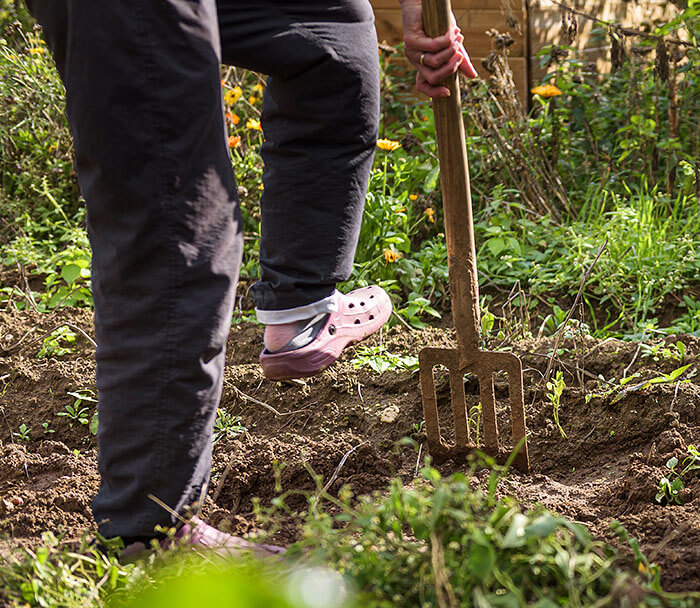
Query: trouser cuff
point(299, 313)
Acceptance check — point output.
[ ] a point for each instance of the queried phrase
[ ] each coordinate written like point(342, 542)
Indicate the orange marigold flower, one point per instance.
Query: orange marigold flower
point(233, 118)
point(390, 255)
point(412, 197)
point(234, 141)
point(546, 91)
point(388, 144)
point(400, 210)
point(430, 214)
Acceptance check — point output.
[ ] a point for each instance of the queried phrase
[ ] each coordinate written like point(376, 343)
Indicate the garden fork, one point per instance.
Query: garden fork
point(468, 357)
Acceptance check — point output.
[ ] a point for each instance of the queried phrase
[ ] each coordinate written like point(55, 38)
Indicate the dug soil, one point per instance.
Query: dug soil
point(607, 467)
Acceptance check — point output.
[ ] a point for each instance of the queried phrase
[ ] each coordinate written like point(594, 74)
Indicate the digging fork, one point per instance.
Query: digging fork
point(468, 357)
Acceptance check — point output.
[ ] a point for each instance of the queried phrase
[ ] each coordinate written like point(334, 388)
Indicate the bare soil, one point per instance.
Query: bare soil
point(607, 468)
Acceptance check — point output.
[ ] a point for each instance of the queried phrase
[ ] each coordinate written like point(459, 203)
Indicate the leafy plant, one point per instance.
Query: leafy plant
point(57, 344)
point(227, 425)
point(23, 434)
point(76, 412)
point(672, 483)
point(663, 352)
point(557, 387)
point(380, 359)
point(444, 542)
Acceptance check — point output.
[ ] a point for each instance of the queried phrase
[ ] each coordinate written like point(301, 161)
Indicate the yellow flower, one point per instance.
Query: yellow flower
point(253, 100)
point(430, 214)
point(390, 255)
point(258, 87)
point(261, 187)
point(233, 95)
point(388, 144)
point(412, 197)
point(253, 124)
point(37, 50)
point(546, 91)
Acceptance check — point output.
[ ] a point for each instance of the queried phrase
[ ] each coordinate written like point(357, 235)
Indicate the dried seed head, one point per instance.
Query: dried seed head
point(500, 41)
point(512, 22)
point(661, 67)
point(618, 55)
point(569, 27)
point(557, 54)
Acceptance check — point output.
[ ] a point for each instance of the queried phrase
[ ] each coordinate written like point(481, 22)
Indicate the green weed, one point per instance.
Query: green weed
point(23, 433)
point(76, 412)
point(379, 359)
point(671, 485)
point(57, 344)
point(557, 387)
point(227, 425)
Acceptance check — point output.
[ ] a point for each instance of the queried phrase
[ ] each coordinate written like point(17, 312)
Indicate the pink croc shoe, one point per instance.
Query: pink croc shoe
point(196, 532)
point(360, 313)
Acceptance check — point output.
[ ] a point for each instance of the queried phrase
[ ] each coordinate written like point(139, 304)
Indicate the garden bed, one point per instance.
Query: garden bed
point(608, 467)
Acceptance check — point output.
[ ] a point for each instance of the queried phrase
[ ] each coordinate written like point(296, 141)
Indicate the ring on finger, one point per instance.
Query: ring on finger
point(422, 56)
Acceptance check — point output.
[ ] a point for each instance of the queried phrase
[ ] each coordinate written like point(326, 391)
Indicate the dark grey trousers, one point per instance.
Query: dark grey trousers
point(144, 106)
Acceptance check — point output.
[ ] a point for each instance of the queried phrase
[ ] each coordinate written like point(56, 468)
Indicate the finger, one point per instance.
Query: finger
point(437, 60)
point(466, 66)
point(435, 77)
point(430, 90)
point(417, 41)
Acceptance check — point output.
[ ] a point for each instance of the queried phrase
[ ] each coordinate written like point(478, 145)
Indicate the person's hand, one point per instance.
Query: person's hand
point(434, 58)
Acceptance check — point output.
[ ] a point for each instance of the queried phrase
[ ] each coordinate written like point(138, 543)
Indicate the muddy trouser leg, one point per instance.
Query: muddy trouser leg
point(320, 119)
point(144, 106)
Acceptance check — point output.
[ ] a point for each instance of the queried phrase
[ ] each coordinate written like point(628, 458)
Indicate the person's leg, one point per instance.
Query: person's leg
point(320, 119)
point(144, 106)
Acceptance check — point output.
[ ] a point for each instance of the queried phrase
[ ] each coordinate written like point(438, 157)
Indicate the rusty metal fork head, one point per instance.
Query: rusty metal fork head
point(483, 365)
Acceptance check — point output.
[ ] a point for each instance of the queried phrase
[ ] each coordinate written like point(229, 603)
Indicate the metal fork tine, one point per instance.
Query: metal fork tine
point(427, 387)
point(488, 410)
point(459, 408)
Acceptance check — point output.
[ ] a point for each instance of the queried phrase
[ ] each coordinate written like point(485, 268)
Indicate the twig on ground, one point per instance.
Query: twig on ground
point(341, 464)
point(28, 294)
point(79, 330)
point(636, 354)
point(220, 483)
point(560, 333)
point(420, 451)
point(398, 316)
point(245, 397)
point(675, 396)
point(276, 412)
